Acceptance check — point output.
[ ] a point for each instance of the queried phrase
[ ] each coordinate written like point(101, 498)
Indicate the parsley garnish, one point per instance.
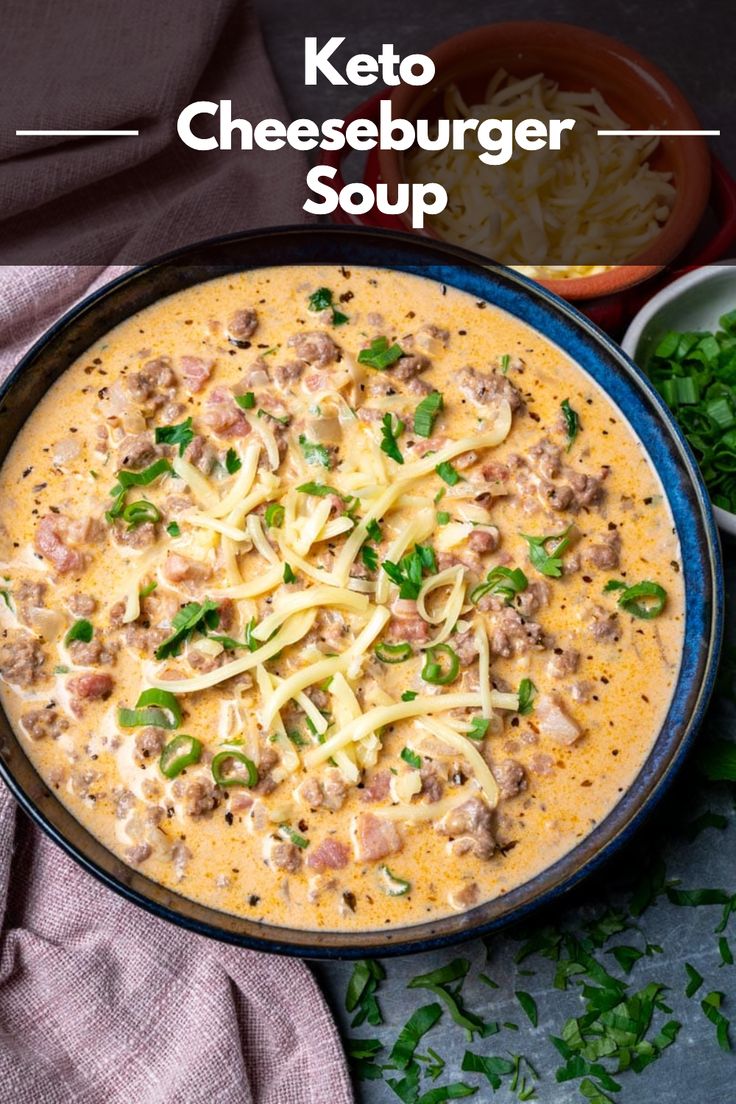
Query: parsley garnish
point(527, 691)
point(373, 529)
point(548, 563)
point(369, 556)
point(572, 422)
point(411, 758)
point(321, 300)
point(321, 490)
point(187, 621)
point(181, 435)
point(380, 354)
point(391, 429)
point(173, 529)
point(289, 576)
point(426, 412)
point(315, 453)
point(408, 572)
point(450, 475)
point(409, 695)
point(80, 630)
point(233, 462)
point(282, 421)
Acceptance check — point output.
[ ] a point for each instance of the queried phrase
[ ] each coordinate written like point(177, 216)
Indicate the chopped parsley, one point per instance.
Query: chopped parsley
point(380, 354)
point(572, 422)
point(315, 453)
point(181, 435)
point(80, 630)
point(322, 299)
point(321, 490)
point(546, 562)
point(289, 576)
point(443, 518)
point(192, 617)
point(391, 428)
point(411, 758)
point(408, 573)
point(369, 557)
point(233, 462)
point(173, 529)
point(409, 695)
point(527, 692)
point(282, 421)
point(373, 529)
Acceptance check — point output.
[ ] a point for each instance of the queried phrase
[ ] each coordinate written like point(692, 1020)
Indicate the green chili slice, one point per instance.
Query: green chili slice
point(392, 653)
point(181, 752)
point(432, 670)
point(222, 779)
point(505, 581)
point(136, 513)
point(656, 597)
point(154, 707)
point(391, 884)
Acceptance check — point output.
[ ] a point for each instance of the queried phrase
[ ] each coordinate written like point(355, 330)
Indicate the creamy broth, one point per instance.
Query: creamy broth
point(399, 777)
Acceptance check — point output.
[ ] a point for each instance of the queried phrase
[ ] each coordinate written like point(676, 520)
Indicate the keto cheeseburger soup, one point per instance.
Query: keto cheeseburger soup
point(334, 594)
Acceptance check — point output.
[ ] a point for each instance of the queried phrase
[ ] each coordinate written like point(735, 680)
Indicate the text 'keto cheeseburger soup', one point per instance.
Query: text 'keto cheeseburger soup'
point(334, 594)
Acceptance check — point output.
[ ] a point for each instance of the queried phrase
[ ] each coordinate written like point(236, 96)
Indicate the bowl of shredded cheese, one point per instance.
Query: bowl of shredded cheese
point(594, 217)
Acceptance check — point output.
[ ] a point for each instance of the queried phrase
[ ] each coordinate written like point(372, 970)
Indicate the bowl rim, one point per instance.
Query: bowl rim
point(726, 519)
point(650, 260)
point(628, 813)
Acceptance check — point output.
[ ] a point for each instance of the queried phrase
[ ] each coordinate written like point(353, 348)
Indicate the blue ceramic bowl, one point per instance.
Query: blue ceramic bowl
point(598, 356)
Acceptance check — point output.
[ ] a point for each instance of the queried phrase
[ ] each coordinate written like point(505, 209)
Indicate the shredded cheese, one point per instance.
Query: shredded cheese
point(309, 599)
point(464, 746)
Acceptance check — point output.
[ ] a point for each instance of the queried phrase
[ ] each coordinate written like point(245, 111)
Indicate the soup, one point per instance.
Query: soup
point(335, 594)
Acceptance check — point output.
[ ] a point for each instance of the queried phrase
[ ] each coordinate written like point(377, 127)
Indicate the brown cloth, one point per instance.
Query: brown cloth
point(97, 64)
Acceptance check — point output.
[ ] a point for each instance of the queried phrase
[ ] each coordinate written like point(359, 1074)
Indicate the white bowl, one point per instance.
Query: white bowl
point(694, 302)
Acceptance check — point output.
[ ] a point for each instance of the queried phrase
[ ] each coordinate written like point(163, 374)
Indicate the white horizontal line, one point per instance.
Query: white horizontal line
point(655, 133)
point(76, 133)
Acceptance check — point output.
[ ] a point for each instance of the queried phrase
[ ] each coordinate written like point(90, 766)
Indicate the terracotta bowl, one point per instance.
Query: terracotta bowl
point(580, 60)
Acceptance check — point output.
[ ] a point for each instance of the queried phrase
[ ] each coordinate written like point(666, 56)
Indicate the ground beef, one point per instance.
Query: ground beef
point(289, 373)
point(603, 624)
point(201, 454)
point(43, 723)
point(510, 777)
point(268, 760)
point(377, 787)
point(605, 553)
point(92, 653)
point(81, 605)
point(140, 536)
point(533, 598)
point(588, 488)
point(407, 623)
point(52, 532)
point(330, 854)
point(137, 451)
point(374, 837)
point(282, 855)
point(484, 540)
point(466, 646)
point(154, 385)
point(546, 458)
point(419, 386)
point(198, 797)
point(180, 569)
point(486, 388)
point(21, 659)
point(149, 743)
point(90, 687)
point(195, 371)
point(28, 596)
point(563, 663)
point(433, 785)
point(223, 417)
point(512, 635)
point(241, 326)
point(138, 853)
point(316, 348)
point(408, 367)
point(470, 827)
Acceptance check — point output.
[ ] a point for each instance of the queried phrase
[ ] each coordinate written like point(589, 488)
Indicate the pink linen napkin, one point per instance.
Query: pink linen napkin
point(100, 1001)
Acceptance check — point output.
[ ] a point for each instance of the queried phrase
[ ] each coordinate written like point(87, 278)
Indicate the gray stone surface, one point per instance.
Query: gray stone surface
point(687, 39)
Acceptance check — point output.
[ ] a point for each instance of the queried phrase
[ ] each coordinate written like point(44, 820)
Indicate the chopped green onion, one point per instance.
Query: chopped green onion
point(282, 421)
point(393, 653)
point(287, 832)
point(505, 362)
point(614, 584)
point(409, 695)
point(446, 471)
point(246, 401)
point(181, 435)
point(275, 515)
point(222, 779)
point(297, 739)
point(572, 422)
point(426, 413)
point(126, 479)
point(315, 453)
point(505, 581)
point(443, 518)
point(154, 707)
point(391, 884)
point(140, 513)
point(380, 354)
point(180, 753)
point(433, 672)
point(479, 728)
point(321, 490)
point(186, 621)
point(655, 595)
point(173, 529)
point(391, 428)
point(80, 630)
point(148, 589)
